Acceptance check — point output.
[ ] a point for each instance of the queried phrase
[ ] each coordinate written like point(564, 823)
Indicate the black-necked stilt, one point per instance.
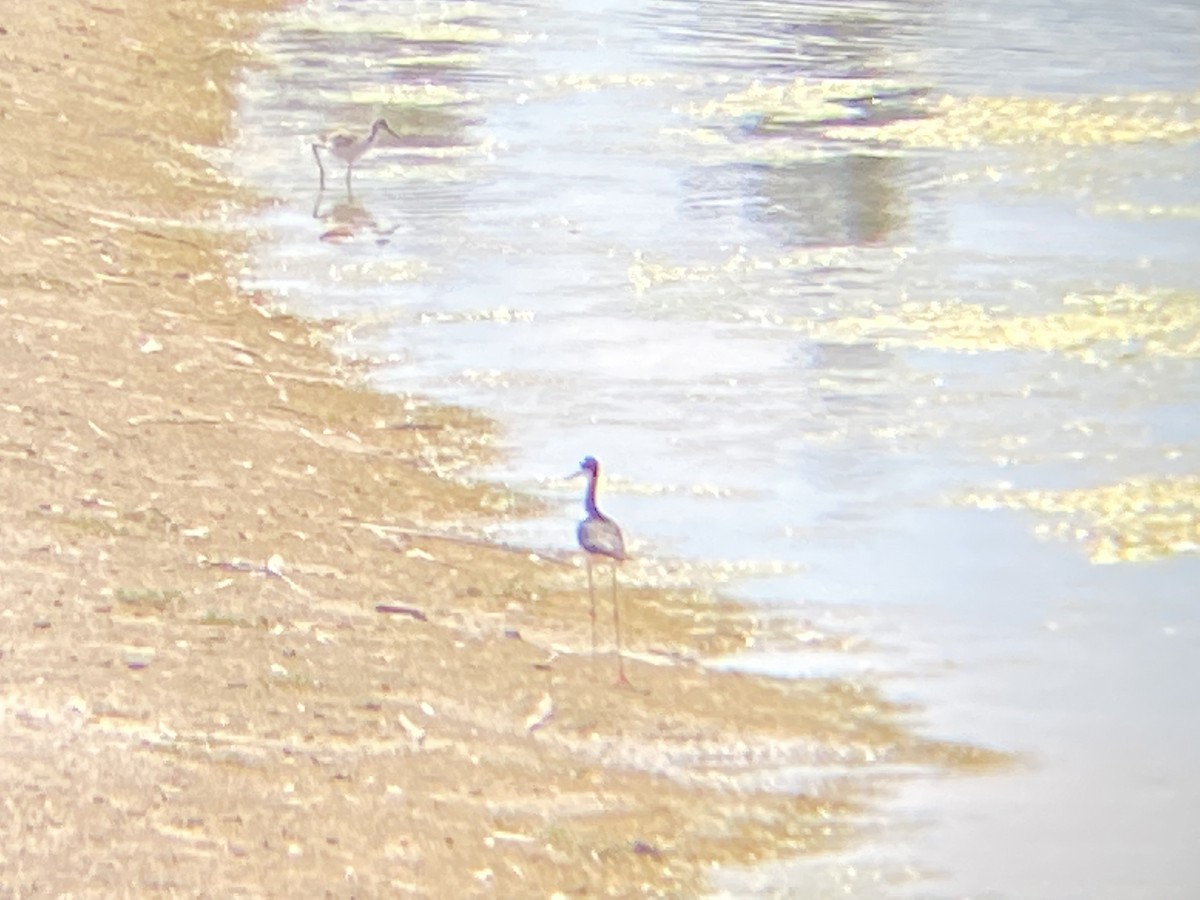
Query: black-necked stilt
point(350, 149)
point(599, 536)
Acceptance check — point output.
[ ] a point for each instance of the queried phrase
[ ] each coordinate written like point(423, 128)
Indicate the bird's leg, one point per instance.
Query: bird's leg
point(320, 165)
point(592, 596)
point(621, 679)
point(349, 169)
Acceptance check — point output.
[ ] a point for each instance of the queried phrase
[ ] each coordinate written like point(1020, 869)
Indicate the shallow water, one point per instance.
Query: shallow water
point(847, 298)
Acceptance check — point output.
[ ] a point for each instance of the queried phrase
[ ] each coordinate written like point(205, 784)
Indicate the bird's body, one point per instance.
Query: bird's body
point(599, 536)
point(350, 149)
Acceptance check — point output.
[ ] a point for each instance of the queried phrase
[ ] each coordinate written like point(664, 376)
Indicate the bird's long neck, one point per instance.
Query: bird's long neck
point(589, 501)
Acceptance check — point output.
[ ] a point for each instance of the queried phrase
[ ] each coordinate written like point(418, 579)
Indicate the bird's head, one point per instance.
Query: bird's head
point(589, 466)
point(382, 125)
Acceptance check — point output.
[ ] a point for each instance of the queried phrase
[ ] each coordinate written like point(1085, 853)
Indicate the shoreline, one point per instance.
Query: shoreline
point(206, 521)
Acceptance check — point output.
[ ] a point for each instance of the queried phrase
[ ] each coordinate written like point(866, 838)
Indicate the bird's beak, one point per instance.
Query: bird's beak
point(572, 475)
point(388, 129)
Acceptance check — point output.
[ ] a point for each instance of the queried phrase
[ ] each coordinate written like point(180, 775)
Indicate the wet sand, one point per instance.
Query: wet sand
point(242, 650)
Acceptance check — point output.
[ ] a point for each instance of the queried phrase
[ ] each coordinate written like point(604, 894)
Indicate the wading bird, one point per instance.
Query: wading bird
point(350, 149)
point(599, 536)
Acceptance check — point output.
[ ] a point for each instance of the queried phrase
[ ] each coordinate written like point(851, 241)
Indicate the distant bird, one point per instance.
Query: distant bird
point(350, 149)
point(599, 536)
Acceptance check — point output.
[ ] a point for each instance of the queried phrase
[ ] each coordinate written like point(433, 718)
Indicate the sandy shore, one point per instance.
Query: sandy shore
point(205, 523)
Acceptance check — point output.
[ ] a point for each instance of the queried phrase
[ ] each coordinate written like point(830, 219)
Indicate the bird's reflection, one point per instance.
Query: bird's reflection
point(348, 219)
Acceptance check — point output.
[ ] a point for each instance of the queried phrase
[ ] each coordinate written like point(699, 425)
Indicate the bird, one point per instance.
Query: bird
point(599, 536)
point(350, 149)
